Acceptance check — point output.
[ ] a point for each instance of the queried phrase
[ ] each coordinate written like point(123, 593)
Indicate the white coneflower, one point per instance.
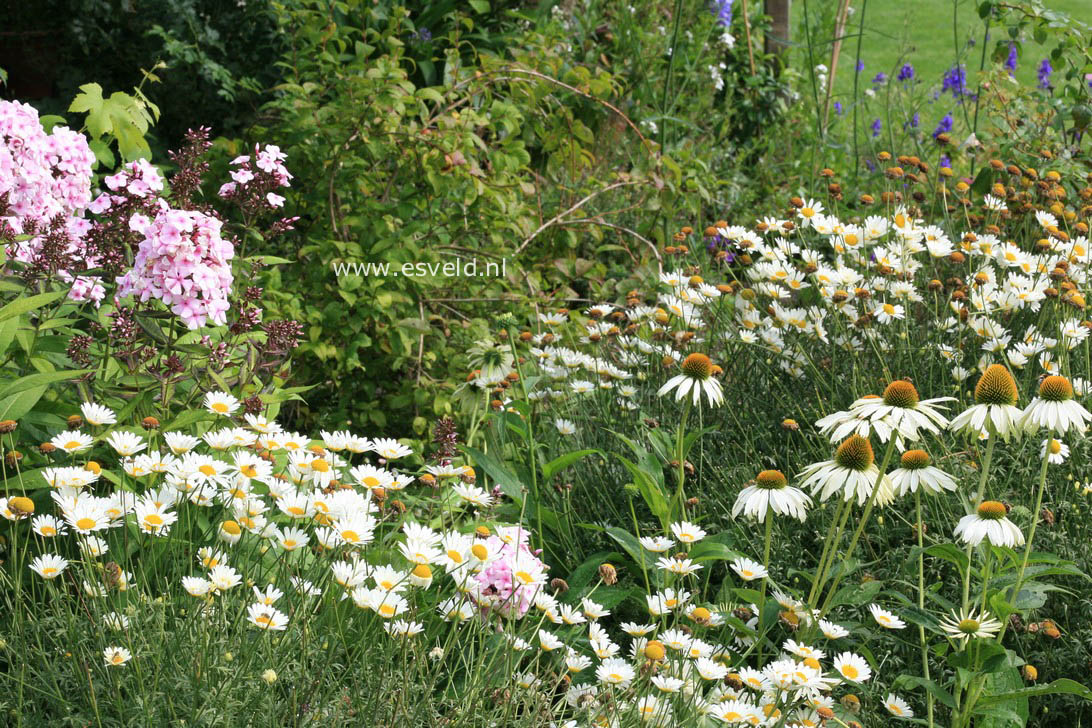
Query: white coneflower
point(852, 471)
point(989, 522)
point(995, 398)
point(897, 707)
point(771, 491)
point(1055, 451)
point(902, 411)
point(884, 618)
point(1055, 408)
point(696, 378)
point(963, 626)
point(915, 470)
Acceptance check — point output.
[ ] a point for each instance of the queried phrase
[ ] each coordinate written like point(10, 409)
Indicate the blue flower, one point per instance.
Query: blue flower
point(913, 121)
point(876, 127)
point(955, 80)
point(1010, 62)
point(723, 10)
point(870, 164)
point(879, 78)
point(945, 161)
point(944, 126)
point(1045, 69)
point(906, 73)
point(860, 66)
point(838, 108)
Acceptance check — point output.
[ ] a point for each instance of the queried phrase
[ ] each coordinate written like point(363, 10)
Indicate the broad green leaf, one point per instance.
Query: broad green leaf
point(631, 545)
point(33, 380)
point(560, 463)
point(916, 681)
point(1062, 686)
point(17, 405)
point(29, 303)
point(502, 476)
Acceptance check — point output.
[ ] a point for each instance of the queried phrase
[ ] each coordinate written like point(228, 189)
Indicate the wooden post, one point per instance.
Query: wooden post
point(780, 34)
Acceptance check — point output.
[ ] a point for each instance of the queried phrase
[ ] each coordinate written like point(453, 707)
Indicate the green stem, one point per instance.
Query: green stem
point(834, 535)
point(861, 526)
point(921, 607)
point(1031, 537)
point(680, 496)
point(978, 501)
point(766, 554)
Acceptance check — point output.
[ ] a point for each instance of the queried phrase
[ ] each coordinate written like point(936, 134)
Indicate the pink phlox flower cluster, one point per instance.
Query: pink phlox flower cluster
point(496, 587)
point(138, 179)
point(271, 174)
point(184, 262)
point(46, 179)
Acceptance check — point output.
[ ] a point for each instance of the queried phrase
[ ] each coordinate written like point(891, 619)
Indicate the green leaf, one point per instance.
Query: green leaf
point(480, 6)
point(33, 380)
point(7, 333)
point(949, 552)
point(1062, 686)
point(915, 681)
point(17, 405)
point(560, 463)
point(187, 418)
point(631, 545)
point(502, 476)
point(29, 303)
point(713, 551)
point(650, 491)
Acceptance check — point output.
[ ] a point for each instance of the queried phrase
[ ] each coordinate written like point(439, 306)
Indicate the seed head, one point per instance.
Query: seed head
point(1056, 389)
point(915, 459)
point(855, 453)
point(771, 480)
point(992, 510)
point(996, 386)
point(901, 393)
point(698, 366)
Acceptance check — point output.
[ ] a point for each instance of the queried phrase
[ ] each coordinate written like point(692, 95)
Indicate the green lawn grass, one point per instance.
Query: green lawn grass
point(920, 32)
